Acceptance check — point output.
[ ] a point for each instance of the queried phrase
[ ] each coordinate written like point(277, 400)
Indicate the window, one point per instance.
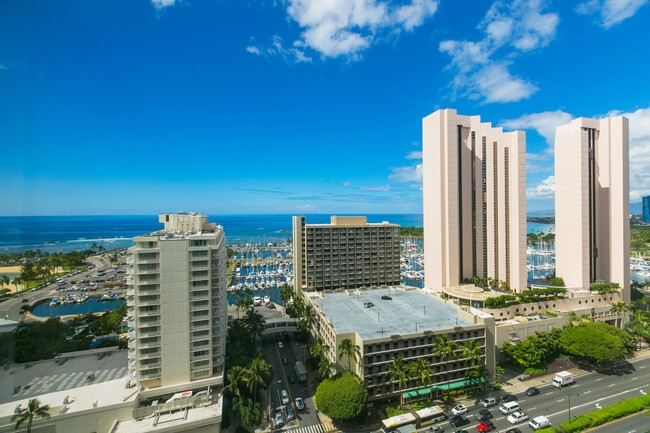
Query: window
point(200, 333)
point(147, 256)
point(200, 313)
point(148, 266)
point(198, 274)
point(148, 298)
point(200, 323)
point(199, 293)
point(148, 245)
point(200, 283)
point(201, 363)
point(148, 277)
point(198, 242)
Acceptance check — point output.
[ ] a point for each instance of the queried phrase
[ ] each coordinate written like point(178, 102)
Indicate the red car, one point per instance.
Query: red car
point(485, 426)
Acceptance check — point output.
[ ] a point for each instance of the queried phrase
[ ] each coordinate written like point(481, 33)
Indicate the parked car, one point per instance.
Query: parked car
point(483, 414)
point(509, 397)
point(279, 418)
point(290, 414)
point(284, 360)
point(459, 410)
point(489, 402)
point(485, 426)
point(300, 405)
point(532, 391)
point(368, 304)
point(459, 420)
point(386, 298)
point(517, 417)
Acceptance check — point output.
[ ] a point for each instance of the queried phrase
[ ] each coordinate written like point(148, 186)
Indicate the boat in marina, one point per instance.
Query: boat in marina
point(257, 301)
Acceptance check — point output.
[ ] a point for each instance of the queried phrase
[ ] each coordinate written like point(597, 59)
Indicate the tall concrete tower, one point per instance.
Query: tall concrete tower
point(474, 193)
point(592, 202)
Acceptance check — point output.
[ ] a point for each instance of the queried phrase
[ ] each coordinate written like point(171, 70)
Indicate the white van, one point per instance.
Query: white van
point(509, 407)
point(539, 422)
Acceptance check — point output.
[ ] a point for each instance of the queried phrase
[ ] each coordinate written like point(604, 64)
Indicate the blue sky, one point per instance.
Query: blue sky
point(294, 106)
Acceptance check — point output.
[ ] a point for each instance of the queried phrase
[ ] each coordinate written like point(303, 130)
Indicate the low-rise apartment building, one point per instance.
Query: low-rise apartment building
point(406, 326)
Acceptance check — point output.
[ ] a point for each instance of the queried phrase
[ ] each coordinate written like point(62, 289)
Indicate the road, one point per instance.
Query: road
point(11, 307)
point(590, 392)
point(283, 374)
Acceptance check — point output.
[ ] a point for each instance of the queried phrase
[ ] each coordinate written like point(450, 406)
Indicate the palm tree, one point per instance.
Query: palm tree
point(349, 349)
point(93, 246)
point(326, 368)
point(444, 348)
point(621, 307)
point(419, 369)
point(307, 318)
point(318, 348)
point(286, 293)
point(472, 351)
point(27, 414)
point(236, 376)
point(16, 282)
point(398, 371)
point(481, 373)
point(256, 373)
point(24, 309)
point(250, 412)
point(255, 323)
point(5, 280)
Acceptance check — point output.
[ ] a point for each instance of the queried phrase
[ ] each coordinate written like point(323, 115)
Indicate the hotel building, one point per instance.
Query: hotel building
point(345, 254)
point(474, 193)
point(179, 305)
point(592, 231)
point(388, 323)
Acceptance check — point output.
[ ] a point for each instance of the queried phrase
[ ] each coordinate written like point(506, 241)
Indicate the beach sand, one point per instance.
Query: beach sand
point(11, 270)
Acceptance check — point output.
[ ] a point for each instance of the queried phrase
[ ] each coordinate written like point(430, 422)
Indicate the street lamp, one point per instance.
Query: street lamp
point(269, 397)
point(569, 398)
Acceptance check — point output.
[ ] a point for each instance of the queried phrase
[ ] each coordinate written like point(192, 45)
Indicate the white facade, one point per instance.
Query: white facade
point(592, 202)
point(180, 305)
point(474, 192)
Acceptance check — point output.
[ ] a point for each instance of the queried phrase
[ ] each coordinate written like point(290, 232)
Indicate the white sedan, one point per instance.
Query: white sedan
point(459, 410)
point(517, 417)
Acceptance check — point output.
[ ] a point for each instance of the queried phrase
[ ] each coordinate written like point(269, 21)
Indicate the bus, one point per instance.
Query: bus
point(393, 423)
point(430, 415)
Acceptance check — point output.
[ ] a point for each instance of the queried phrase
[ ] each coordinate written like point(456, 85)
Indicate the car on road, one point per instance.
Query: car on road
point(284, 396)
point(386, 298)
point(279, 418)
point(513, 430)
point(292, 379)
point(368, 304)
point(461, 431)
point(280, 345)
point(539, 422)
point(490, 401)
point(509, 397)
point(459, 420)
point(290, 414)
point(483, 414)
point(25, 300)
point(284, 360)
point(436, 429)
point(517, 417)
point(300, 405)
point(532, 391)
point(459, 410)
point(485, 426)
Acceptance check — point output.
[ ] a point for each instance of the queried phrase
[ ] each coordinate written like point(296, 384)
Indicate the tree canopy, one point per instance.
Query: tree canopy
point(596, 342)
point(342, 397)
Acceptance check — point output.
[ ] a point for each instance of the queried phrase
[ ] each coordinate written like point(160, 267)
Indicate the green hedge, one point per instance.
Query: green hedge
point(602, 416)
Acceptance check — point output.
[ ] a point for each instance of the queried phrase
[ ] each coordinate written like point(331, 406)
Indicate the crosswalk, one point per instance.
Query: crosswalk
point(316, 428)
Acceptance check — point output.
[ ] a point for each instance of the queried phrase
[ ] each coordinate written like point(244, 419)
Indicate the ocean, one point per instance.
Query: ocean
point(70, 233)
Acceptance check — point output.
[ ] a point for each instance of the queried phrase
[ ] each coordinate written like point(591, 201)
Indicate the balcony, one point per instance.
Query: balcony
point(149, 355)
point(150, 344)
point(151, 365)
point(149, 313)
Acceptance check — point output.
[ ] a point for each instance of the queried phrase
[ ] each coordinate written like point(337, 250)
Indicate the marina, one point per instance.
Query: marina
point(68, 307)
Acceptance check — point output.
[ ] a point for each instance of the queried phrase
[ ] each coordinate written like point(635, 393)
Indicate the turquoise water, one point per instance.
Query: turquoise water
point(90, 306)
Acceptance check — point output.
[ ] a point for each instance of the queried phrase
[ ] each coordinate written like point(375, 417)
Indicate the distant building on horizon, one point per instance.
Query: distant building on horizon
point(348, 253)
point(592, 205)
point(474, 196)
point(180, 305)
point(645, 217)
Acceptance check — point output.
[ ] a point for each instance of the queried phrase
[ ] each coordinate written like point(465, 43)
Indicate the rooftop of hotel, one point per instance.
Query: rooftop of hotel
point(51, 382)
point(409, 311)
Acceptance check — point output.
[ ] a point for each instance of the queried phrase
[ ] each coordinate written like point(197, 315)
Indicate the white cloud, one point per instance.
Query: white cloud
point(346, 183)
point(414, 154)
point(3, 67)
point(411, 173)
point(277, 48)
point(347, 27)
point(510, 28)
point(161, 4)
point(543, 190)
point(384, 188)
point(639, 152)
point(611, 12)
point(544, 123)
